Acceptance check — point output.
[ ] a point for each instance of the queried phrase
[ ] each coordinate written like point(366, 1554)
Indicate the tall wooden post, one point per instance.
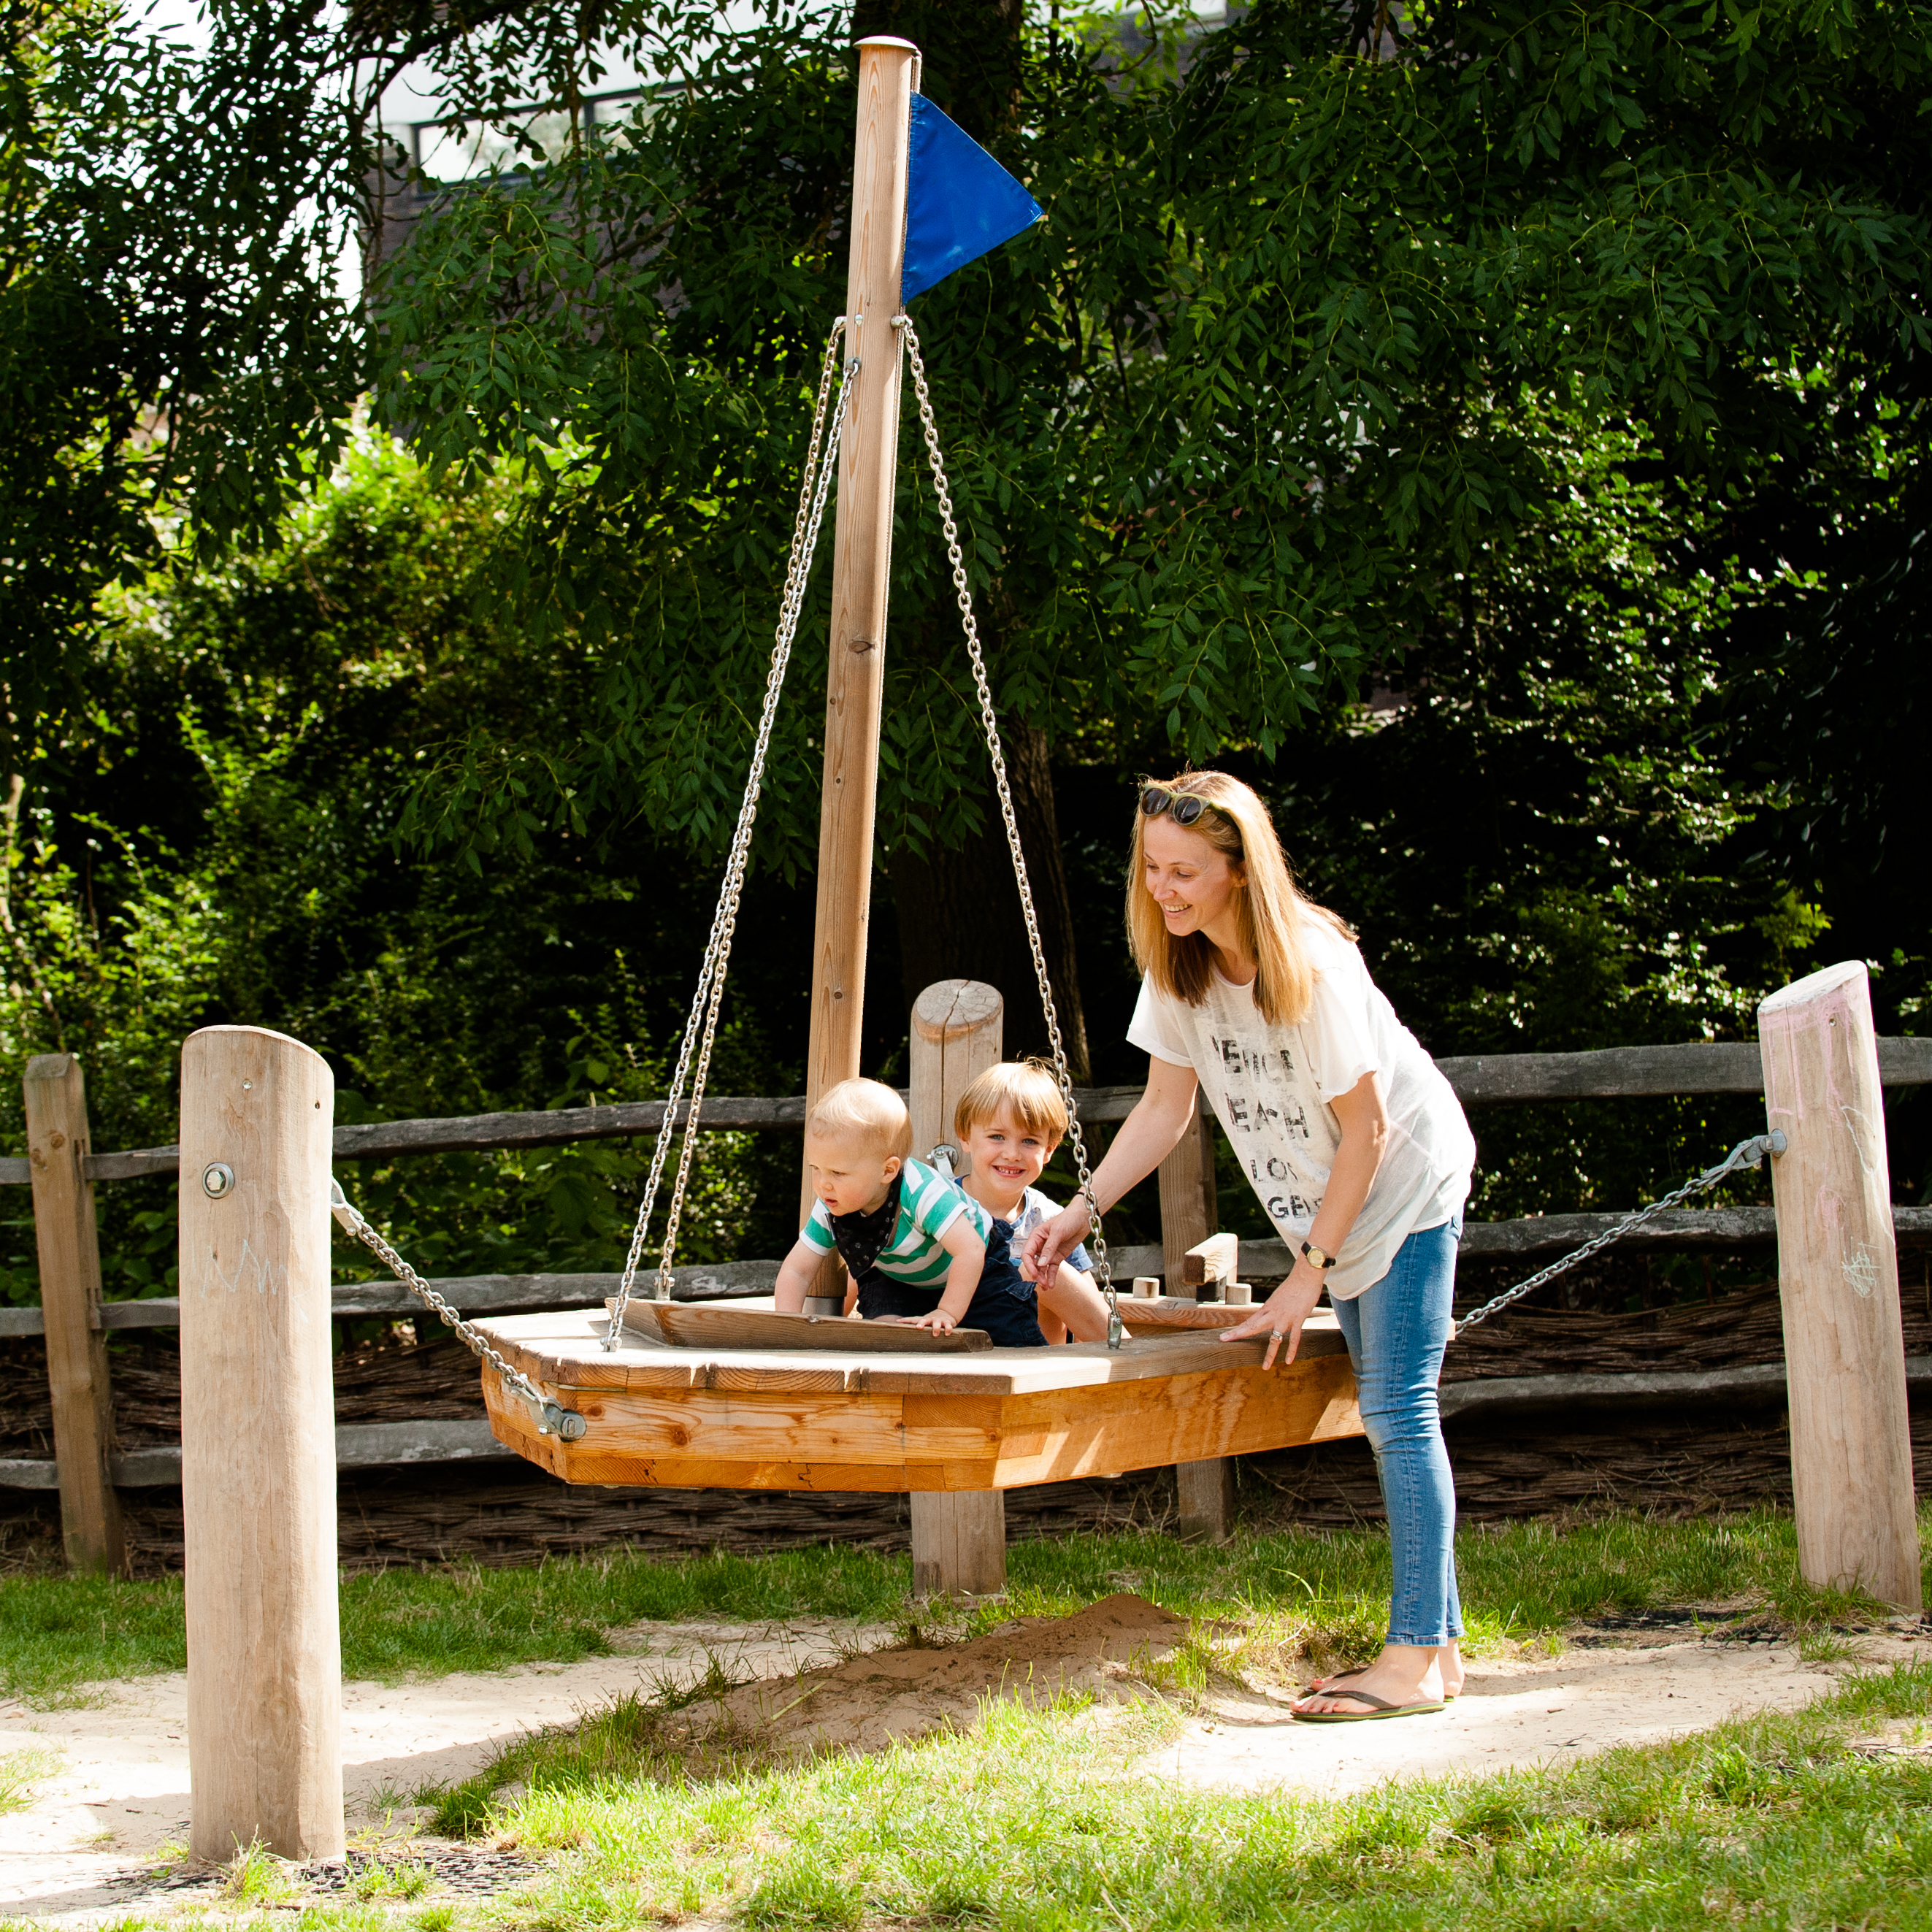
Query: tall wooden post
point(69, 1247)
point(1189, 1211)
point(958, 1536)
point(1188, 1207)
point(1837, 1268)
point(861, 567)
point(258, 1446)
point(958, 1028)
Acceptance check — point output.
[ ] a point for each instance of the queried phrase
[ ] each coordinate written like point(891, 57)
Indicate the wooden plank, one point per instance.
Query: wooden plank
point(721, 1326)
point(1148, 1314)
point(958, 1543)
point(1838, 1268)
point(1215, 1262)
point(1188, 1208)
point(258, 1448)
point(69, 1249)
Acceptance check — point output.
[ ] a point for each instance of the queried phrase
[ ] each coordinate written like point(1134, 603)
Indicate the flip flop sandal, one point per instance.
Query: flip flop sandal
point(1384, 1709)
point(1331, 1684)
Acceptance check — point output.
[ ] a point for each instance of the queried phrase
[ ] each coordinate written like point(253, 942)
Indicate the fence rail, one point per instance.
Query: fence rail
point(1487, 1080)
point(1482, 1080)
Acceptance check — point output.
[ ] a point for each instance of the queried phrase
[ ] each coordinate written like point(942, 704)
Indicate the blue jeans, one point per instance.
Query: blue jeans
point(1397, 1332)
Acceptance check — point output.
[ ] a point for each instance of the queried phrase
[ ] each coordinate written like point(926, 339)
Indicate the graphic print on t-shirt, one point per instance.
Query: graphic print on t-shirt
point(1267, 1121)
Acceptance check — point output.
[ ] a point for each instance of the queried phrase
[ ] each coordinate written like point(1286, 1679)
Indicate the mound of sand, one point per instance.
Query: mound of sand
point(894, 1696)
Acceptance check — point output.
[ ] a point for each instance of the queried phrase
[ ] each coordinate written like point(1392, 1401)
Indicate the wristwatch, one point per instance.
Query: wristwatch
point(1314, 1258)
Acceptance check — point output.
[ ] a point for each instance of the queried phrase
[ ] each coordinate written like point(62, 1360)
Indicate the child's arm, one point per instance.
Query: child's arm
point(962, 1278)
point(796, 1273)
point(1078, 1302)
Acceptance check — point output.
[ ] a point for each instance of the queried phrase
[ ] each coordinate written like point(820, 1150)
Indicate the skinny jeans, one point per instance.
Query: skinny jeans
point(1397, 1332)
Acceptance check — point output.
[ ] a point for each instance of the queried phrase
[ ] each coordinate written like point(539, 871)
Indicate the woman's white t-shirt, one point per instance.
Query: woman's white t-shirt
point(1271, 1087)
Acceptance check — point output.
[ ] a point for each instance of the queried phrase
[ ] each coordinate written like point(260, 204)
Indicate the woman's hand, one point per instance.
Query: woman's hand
point(1280, 1317)
point(1052, 1241)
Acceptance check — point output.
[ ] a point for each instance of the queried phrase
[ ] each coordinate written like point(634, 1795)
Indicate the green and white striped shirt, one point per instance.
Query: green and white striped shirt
point(929, 1204)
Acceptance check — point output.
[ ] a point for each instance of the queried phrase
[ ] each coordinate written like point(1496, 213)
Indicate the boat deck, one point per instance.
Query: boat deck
point(769, 1419)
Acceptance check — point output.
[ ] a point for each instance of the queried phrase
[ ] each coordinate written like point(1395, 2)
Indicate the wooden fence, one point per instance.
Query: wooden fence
point(62, 1170)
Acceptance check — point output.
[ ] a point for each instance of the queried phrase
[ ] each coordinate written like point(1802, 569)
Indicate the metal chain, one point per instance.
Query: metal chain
point(996, 751)
point(552, 1418)
point(1746, 1153)
point(701, 1026)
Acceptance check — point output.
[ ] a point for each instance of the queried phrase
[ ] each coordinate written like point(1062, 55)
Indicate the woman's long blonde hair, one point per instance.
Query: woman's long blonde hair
point(1270, 910)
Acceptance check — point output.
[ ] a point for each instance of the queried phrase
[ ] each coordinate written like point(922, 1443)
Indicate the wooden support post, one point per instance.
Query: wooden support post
point(1188, 1209)
point(1207, 1494)
point(958, 1543)
point(1188, 1213)
point(958, 1029)
point(1838, 1268)
point(958, 1536)
point(258, 1446)
point(861, 570)
point(70, 1254)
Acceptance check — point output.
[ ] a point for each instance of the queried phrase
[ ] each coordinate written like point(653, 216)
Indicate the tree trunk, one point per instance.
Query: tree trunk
point(959, 910)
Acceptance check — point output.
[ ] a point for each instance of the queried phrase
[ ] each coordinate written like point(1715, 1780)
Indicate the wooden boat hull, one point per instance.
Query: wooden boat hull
point(761, 1420)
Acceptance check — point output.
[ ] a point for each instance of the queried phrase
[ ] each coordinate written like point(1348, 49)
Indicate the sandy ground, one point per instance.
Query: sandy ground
point(79, 1854)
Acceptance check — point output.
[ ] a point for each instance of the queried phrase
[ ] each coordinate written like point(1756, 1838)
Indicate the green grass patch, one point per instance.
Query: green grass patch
point(20, 1771)
point(1036, 1822)
point(1311, 1595)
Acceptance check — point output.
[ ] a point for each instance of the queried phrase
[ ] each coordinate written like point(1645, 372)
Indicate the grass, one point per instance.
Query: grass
point(1310, 1595)
point(1035, 1821)
point(20, 1771)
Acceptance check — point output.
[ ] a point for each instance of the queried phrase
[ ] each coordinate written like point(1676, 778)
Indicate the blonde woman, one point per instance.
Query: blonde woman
point(1354, 1143)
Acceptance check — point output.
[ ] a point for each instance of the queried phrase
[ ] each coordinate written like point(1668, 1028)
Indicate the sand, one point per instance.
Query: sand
point(83, 1852)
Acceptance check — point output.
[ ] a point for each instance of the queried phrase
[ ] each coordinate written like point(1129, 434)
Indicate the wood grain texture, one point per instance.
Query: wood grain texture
point(1196, 1398)
point(1218, 1258)
point(861, 570)
point(721, 1325)
point(958, 1543)
point(1204, 1497)
point(258, 1448)
point(69, 1250)
point(1188, 1208)
point(958, 1031)
point(1851, 1443)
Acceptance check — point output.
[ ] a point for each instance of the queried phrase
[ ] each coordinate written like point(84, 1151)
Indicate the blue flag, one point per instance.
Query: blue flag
point(960, 204)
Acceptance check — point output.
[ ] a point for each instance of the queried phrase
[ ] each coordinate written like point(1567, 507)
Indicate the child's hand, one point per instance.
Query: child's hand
point(939, 1321)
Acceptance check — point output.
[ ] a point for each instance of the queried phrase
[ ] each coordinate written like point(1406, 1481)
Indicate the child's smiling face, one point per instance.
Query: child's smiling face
point(1007, 1156)
point(848, 1176)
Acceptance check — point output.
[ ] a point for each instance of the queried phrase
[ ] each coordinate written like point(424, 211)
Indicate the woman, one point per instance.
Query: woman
point(1355, 1145)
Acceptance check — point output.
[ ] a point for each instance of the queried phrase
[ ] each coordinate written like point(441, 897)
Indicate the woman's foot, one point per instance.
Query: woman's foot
point(1403, 1674)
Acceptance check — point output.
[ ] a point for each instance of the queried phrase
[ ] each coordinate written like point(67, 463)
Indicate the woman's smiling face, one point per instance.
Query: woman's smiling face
point(1194, 886)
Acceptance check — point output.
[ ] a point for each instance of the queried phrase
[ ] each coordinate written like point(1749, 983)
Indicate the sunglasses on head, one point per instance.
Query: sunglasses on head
point(1185, 806)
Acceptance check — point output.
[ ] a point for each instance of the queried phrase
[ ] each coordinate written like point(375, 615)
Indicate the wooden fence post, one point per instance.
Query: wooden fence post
point(1838, 1268)
point(1205, 1491)
point(1188, 1208)
point(69, 1247)
point(958, 1536)
point(258, 1447)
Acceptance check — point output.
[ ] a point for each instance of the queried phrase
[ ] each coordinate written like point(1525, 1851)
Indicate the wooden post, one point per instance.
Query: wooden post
point(258, 1446)
point(70, 1254)
point(958, 1536)
point(1837, 1268)
point(861, 569)
point(1207, 1497)
point(958, 1027)
point(1188, 1209)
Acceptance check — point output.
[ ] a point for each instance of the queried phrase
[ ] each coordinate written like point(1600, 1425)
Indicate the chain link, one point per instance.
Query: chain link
point(551, 1417)
point(1746, 1153)
point(701, 1026)
point(996, 752)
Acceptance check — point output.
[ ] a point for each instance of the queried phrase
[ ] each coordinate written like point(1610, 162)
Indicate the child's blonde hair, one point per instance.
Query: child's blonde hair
point(1270, 910)
point(866, 1112)
point(1024, 1088)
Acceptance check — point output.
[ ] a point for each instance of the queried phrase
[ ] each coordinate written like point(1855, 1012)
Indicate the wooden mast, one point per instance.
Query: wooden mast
point(861, 564)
